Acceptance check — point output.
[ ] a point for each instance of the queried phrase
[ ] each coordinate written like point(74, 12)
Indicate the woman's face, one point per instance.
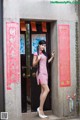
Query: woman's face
point(42, 47)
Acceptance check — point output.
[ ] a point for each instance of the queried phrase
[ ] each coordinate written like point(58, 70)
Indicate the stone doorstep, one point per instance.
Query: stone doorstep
point(34, 116)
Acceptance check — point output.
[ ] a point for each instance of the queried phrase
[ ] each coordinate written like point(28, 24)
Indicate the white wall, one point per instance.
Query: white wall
point(38, 9)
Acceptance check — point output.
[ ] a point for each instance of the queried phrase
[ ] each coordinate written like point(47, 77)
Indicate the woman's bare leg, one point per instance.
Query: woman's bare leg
point(43, 95)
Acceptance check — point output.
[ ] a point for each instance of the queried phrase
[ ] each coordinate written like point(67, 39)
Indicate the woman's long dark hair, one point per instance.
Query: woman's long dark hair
point(44, 52)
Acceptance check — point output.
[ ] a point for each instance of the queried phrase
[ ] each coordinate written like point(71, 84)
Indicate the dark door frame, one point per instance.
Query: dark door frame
point(2, 98)
point(23, 78)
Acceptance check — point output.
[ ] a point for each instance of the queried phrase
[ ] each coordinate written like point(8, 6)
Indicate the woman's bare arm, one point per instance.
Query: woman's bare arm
point(52, 57)
point(36, 60)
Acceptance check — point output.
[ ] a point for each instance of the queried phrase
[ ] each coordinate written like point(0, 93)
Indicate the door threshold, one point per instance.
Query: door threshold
point(30, 112)
point(34, 115)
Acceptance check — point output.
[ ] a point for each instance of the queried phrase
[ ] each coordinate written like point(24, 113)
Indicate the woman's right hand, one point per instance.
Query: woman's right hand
point(39, 57)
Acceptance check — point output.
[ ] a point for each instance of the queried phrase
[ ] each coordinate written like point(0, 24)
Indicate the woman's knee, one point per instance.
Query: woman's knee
point(46, 88)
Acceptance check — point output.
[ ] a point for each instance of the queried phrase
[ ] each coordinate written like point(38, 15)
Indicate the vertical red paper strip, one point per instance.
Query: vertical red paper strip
point(64, 55)
point(12, 54)
point(44, 28)
point(33, 26)
point(22, 26)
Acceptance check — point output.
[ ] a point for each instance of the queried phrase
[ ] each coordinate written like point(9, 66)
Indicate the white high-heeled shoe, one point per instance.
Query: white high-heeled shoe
point(41, 116)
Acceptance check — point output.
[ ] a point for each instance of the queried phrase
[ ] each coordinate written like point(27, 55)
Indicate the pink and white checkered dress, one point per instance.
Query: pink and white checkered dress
point(42, 77)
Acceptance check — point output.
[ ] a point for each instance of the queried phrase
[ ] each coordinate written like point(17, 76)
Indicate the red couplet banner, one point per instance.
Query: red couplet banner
point(64, 55)
point(12, 54)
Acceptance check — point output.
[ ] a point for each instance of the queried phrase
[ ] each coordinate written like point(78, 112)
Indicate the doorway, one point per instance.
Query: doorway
point(30, 91)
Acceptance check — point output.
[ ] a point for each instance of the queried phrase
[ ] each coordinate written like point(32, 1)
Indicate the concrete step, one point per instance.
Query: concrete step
point(34, 116)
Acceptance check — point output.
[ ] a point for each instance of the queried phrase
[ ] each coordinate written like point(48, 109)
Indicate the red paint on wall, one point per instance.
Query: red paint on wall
point(12, 54)
point(64, 55)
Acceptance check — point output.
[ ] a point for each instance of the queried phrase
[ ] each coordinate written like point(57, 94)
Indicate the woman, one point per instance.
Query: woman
point(40, 58)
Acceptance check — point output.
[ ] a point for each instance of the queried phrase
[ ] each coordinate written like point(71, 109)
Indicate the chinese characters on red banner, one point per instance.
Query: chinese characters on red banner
point(12, 54)
point(64, 55)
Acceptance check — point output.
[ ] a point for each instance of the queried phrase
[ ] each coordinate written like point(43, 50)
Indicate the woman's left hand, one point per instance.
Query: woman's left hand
point(52, 54)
